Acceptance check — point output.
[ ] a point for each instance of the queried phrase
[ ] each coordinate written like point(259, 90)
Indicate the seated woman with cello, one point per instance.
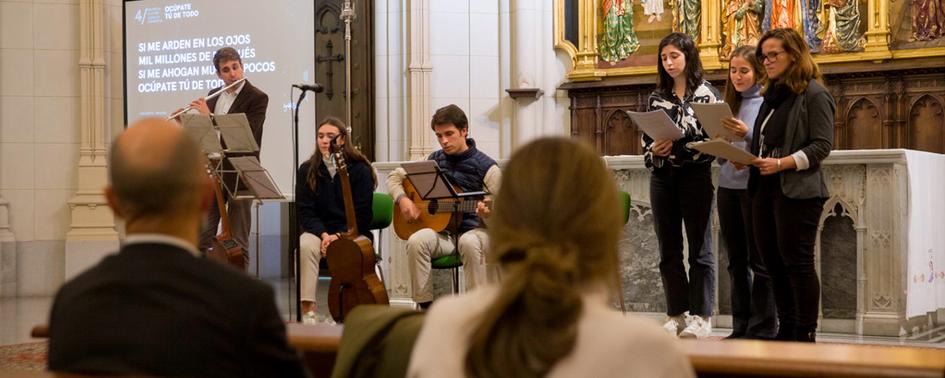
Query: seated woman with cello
point(321, 209)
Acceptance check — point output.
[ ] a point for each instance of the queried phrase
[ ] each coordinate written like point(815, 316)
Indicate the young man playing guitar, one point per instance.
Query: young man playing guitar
point(468, 169)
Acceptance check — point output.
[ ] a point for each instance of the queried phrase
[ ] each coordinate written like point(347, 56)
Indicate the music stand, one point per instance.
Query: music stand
point(432, 184)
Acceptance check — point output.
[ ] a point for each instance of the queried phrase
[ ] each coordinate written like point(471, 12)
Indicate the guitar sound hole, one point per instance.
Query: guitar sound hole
point(433, 207)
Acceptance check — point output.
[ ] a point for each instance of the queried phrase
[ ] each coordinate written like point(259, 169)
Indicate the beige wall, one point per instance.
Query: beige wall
point(39, 127)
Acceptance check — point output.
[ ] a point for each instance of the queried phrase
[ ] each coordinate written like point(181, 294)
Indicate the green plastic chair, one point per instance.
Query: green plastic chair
point(450, 262)
point(625, 201)
point(383, 208)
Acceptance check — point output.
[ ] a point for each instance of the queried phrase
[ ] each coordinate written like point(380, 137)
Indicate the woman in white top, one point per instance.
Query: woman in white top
point(554, 232)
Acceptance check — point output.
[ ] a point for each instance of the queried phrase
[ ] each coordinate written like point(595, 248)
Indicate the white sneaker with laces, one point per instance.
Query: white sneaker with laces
point(697, 328)
point(309, 318)
point(675, 324)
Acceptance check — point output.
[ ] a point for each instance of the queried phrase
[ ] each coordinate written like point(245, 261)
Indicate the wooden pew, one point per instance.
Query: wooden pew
point(710, 358)
point(318, 345)
point(752, 358)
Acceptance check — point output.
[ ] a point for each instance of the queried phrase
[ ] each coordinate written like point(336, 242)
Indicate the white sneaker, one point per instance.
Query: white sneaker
point(697, 328)
point(309, 318)
point(675, 324)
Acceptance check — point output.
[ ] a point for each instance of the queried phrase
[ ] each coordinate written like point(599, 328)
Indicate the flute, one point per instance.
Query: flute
point(215, 94)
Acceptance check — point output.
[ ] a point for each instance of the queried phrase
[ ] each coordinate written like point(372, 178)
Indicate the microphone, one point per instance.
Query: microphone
point(317, 88)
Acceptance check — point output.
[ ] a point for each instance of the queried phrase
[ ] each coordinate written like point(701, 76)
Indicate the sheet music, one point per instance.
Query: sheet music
point(656, 124)
point(723, 149)
point(711, 116)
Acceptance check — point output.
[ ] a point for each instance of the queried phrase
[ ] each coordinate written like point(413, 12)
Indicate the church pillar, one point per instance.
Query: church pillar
point(7, 253)
point(92, 229)
point(421, 71)
point(526, 66)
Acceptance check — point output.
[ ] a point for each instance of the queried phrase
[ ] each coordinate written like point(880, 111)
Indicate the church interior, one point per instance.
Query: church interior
point(521, 70)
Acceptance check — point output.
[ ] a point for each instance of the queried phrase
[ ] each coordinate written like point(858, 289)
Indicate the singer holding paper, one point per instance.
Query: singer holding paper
point(753, 312)
point(793, 135)
point(681, 189)
point(243, 98)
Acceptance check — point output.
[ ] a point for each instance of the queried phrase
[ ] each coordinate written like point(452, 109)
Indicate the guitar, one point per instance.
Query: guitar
point(351, 259)
point(225, 249)
point(434, 214)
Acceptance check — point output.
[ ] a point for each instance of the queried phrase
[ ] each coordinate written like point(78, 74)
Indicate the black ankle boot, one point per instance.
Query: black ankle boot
point(785, 333)
point(807, 337)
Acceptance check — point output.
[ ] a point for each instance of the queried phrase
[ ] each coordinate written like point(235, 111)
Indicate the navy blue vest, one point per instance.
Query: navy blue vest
point(466, 170)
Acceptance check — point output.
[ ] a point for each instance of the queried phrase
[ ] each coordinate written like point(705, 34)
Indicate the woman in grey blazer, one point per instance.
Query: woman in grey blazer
point(793, 135)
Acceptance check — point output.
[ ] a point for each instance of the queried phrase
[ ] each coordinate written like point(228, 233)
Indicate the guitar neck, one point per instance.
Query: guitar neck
point(346, 194)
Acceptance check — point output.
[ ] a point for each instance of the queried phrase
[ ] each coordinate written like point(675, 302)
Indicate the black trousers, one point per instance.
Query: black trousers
point(683, 195)
point(753, 306)
point(785, 233)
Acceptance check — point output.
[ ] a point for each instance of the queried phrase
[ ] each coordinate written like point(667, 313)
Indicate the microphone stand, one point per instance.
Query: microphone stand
point(348, 15)
point(294, 226)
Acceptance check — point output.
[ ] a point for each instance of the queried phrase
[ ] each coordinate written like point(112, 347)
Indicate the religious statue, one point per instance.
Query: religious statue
point(742, 24)
point(928, 19)
point(810, 20)
point(779, 14)
point(842, 32)
point(653, 9)
point(618, 40)
point(687, 16)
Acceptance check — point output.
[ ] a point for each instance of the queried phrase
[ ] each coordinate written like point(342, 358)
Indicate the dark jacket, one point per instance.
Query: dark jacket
point(250, 101)
point(324, 209)
point(155, 309)
point(809, 129)
point(466, 170)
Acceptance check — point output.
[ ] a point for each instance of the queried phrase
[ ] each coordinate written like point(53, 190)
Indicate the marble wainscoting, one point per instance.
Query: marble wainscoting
point(861, 253)
point(862, 249)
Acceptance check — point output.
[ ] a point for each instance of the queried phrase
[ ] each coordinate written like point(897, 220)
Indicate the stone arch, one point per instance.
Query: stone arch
point(838, 259)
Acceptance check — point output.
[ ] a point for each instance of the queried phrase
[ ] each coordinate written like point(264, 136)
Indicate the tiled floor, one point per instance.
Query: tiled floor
point(19, 315)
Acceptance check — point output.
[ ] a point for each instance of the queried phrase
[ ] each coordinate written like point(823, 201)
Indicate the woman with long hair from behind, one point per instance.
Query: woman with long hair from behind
point(554, 231)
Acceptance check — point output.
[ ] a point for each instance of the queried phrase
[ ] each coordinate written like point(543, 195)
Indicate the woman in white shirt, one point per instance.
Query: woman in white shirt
point(554, 232)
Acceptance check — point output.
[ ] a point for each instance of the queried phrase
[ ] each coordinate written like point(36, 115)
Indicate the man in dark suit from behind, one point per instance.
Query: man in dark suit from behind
point(156, 308)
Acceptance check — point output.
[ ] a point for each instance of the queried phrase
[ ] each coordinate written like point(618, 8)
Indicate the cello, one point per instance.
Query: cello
point(351, 258)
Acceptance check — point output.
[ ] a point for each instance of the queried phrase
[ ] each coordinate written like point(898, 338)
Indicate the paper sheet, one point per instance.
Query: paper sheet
point(711, 116)
point(723, 149)
point(656, 124)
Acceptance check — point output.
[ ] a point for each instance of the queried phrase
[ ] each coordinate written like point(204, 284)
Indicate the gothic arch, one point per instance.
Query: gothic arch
point(926, 124)
point(620, 134)
point(863, 125)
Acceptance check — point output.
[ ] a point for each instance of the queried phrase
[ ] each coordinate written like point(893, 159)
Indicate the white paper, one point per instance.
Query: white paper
point(711, 116)
point(656, 124)
point(723, 149)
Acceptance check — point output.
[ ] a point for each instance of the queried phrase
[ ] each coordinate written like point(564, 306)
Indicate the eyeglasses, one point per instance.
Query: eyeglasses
point(772, 56)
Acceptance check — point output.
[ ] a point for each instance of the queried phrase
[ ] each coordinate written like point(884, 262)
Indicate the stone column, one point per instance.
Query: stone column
point(92, 230)
point(7, 253)
point(526, 59)
point(421, 71)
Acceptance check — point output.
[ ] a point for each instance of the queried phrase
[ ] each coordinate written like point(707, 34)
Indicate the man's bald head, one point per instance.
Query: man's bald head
point(155, 170)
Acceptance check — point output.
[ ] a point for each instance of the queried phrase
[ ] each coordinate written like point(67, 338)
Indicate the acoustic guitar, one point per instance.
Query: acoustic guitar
point(351, 259)
point(434, 214)
point(225, 249)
